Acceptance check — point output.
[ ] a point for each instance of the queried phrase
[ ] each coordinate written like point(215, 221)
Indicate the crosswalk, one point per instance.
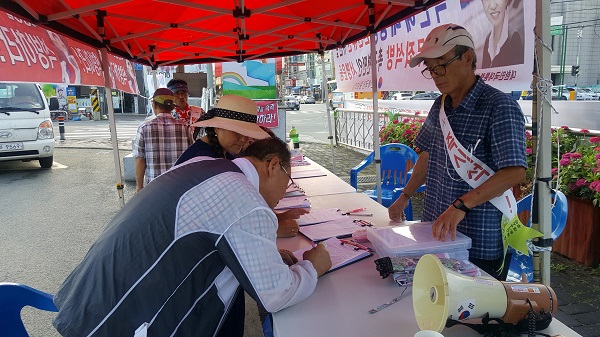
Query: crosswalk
point(306, 109)
point(97, 130)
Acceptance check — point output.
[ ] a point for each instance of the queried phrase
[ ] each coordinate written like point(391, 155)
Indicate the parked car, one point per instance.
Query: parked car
point(309, 100)
point(580, 93)
point(399, 96)
point(426, 96)
point(555, 95)
point(594, 95)
point(25, 126)
point(291, 103)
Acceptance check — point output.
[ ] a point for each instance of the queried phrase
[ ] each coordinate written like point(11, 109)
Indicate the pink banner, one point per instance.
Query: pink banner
point(267, 114)
point(29, 53)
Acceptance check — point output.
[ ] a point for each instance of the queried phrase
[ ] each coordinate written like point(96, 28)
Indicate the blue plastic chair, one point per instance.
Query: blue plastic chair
point(523, 264)
point(397, 161)
point(13, 297)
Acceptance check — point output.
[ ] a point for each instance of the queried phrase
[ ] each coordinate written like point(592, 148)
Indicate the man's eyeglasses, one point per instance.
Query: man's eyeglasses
point(292, 183)
point(439, 70)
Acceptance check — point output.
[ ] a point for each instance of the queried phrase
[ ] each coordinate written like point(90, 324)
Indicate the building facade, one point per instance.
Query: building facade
point(577, 43)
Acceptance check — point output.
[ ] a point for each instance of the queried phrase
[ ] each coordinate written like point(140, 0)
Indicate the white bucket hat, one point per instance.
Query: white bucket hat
point(234, 113)
point(441, 40)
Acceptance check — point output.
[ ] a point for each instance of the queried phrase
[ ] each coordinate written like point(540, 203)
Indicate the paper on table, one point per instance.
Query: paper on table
point(320, 215)
point(336, 228)
point(295, 193)
point(341, 255)
point(308, 173)
point(299, 163)
point(293, 202)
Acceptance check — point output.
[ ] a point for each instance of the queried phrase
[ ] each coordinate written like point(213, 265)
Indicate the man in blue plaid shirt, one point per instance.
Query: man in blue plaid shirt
point(489, 125)
point(159, 141)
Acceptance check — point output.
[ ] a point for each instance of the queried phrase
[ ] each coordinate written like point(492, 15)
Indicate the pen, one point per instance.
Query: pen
point(363, 214)
point(357, 245)
point(355, 211)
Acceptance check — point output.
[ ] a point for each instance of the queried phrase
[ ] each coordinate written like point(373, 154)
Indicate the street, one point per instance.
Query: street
point(51, 217)
point(310, 121)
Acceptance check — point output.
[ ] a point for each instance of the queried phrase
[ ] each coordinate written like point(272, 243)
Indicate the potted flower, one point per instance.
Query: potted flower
point(577, 175)
point(401, 130)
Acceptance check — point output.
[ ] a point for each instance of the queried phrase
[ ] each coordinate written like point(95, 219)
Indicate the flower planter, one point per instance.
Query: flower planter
point(581, 236)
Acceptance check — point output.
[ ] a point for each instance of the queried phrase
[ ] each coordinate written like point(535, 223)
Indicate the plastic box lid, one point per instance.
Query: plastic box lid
point(413, 240)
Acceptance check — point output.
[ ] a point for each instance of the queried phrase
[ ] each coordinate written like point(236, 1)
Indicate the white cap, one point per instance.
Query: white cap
point(441, 40)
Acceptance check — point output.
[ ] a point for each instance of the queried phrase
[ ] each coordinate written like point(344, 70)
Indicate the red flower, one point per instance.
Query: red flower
point(395, 122)
point(576, 155)
point(595, 139)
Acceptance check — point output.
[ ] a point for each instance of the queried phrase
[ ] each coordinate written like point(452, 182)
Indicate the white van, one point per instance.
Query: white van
point(25, 126)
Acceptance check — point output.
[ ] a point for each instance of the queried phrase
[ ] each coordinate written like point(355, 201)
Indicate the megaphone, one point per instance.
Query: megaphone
point(440, 294)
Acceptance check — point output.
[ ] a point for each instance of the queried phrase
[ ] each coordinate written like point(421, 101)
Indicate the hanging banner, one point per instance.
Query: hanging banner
point(30, 53)
point(504, 52)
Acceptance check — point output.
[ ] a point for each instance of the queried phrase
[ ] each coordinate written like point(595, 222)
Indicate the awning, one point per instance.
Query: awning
point(203, 31)
point(297, 88)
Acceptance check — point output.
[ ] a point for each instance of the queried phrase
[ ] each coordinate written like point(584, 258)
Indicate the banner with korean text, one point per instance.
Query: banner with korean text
point(267, 114)
point(503, 36)
point(30, 53)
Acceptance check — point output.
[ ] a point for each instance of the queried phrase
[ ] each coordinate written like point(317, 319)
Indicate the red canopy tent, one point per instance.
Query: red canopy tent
point(161, 32)
point(177, 31)
point(183, 32)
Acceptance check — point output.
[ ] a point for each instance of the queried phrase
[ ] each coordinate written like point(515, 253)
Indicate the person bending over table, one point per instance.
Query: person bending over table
point(174, 259)
point(491, 128)
point(228, 128)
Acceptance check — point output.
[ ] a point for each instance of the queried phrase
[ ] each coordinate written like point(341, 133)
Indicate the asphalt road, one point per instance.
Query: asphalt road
point(50, 218)
point(310, 121)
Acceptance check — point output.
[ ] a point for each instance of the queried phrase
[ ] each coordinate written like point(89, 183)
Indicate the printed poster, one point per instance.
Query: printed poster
point(254, 79)
point(502, 32)
point(267, 114)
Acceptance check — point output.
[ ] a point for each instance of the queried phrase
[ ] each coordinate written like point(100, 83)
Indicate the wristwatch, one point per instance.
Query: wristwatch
point(459, 204)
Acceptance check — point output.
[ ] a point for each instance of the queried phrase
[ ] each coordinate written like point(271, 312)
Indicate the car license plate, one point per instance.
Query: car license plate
point(11, 146)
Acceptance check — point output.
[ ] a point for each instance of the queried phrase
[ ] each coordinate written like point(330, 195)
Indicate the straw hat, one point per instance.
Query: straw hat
point(234, 113)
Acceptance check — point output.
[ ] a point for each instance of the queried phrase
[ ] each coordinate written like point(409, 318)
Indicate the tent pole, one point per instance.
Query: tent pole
point(210, 84)
point(544, 202)
point(375, 113)
point(326, 100)
point(113, 126)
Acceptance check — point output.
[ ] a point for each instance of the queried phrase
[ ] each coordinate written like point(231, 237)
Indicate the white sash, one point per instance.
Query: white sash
point(472, 170)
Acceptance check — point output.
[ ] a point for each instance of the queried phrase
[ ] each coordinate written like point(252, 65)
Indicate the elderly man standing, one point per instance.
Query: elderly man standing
point(159, 141)
point(188, 113)
point(486, 127)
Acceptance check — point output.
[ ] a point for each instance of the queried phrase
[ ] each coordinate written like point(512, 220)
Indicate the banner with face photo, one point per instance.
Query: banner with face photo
point(502, 31)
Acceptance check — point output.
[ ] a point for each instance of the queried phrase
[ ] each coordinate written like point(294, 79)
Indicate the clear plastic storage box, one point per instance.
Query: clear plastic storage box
point(415, 239)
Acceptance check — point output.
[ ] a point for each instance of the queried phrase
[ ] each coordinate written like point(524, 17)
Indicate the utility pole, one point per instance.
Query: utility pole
point(579, 35)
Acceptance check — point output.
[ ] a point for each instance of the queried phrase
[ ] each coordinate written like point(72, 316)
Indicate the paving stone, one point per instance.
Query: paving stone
point(577, 308)
point(588, 318)
point(588, 330)
point(567, 319)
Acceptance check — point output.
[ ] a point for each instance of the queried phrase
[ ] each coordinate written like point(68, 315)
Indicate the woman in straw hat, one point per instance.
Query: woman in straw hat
point(229, 126)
